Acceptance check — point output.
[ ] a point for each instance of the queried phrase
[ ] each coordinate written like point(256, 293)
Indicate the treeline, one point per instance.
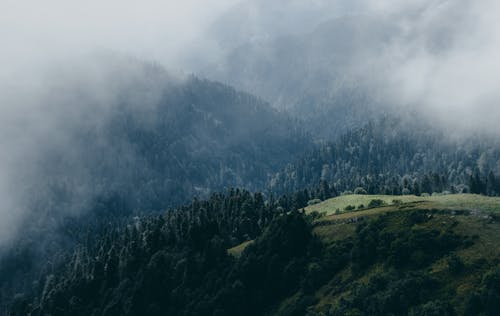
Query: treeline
point(388, 157)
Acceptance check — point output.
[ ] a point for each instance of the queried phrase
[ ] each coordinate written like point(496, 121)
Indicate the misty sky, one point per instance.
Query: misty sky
point(444, 59)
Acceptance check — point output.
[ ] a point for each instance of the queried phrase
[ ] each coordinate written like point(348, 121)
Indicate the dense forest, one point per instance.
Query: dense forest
point(177, 263)
point(153, 142)
point(250, 157)
point(117, 232)
point(156, 141)
point(394, 156)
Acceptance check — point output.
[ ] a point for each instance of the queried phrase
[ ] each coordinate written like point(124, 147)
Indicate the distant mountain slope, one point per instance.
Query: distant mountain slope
point(322, 73)
point(121, 137)
point(398, 156)
point(123, 129)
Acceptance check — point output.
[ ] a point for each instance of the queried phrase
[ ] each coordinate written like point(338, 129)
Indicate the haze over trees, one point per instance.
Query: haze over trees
point(250, 158)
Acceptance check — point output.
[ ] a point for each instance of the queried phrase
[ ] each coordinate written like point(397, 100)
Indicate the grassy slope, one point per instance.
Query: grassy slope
point(485, 252)
point(451, 201)
point(471, 202)
point(237, 250)
point(482, 255)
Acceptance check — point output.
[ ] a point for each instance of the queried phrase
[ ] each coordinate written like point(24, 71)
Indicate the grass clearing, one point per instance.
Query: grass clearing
point(391, 202)
point(238, 250)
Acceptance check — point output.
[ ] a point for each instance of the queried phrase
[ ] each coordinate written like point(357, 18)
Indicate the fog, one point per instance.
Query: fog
point(440, 57)
point(449, 65)
point(40, 147)
point(56, 77)
point(437, 57)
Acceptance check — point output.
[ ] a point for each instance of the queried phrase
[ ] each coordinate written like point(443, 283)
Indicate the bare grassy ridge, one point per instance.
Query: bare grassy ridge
point(470, 202)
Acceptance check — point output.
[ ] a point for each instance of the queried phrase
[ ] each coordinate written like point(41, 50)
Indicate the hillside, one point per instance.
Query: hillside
point(136, 134)
point(391, 203)
point(118, 137)
point(406, 259)
point(250, 158)
point(319, 73)
point(396, 157)
point(440, 251)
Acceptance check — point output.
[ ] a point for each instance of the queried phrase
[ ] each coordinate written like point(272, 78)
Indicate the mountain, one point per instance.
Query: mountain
point(154, 140)
point(371, 261)
point(321, 73)
point(396, 156)
point(119, 137)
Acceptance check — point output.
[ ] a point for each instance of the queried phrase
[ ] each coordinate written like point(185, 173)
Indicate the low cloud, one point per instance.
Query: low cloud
point(441, 57)
point(446, 63)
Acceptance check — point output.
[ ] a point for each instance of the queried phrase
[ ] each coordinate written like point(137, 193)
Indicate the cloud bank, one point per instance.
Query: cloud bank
point(436, 56)
point(446, 63)
point(441, 57)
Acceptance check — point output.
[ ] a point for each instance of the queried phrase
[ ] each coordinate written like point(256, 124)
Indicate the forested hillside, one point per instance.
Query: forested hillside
point(393, 156)
point(375, 264)
point(250, 157)
point(127, 138)
point(129, 129)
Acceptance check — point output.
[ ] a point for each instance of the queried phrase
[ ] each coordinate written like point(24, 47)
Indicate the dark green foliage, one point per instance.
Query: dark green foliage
point(405, 287)
point(486, 299)
point(394, 157)
point(375, 203)
point(272, 268)
point(178, 263)
point(433, 308)
point(388, 294)
point(350, 207)
point(455, 264)
point(160, 142)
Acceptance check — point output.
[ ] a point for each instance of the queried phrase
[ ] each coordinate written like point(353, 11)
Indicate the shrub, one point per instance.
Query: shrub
point(397, 202)
point(350, 208)
point(376, 203)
